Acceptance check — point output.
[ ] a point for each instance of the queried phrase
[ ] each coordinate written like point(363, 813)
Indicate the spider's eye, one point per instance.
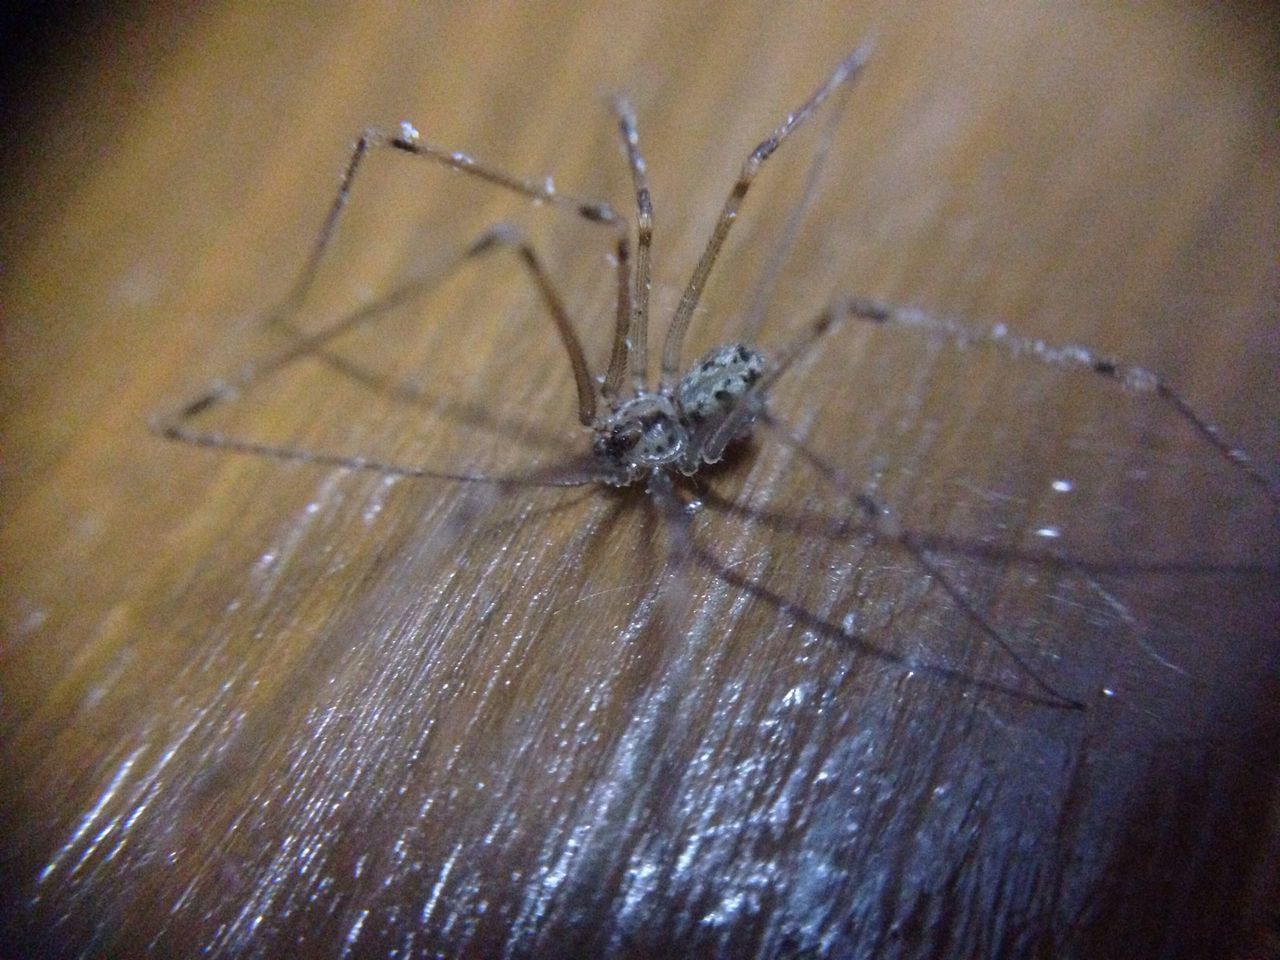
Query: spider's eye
point(618, 441)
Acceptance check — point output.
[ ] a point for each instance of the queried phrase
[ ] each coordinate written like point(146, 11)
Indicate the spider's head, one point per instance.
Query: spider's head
point(643, 434)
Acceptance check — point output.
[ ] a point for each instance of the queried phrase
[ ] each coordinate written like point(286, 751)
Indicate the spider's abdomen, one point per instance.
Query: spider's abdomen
point(709, 393)
point(711, 389)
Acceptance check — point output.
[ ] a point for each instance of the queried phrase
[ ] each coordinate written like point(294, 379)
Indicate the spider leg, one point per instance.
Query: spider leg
point(762, 295)
point(407, 140)
point(676, 595)
point(885, 526)
point(178, 426)
point(1130, 376)
point(511, 238)
point(845, 72)
point(637, 334)
point(565, 475)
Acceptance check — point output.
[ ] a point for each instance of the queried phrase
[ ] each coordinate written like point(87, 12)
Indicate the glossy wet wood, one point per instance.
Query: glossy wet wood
point(256, 708)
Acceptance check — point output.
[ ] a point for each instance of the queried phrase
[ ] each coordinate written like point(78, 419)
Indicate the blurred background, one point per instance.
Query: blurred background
point(253, 707)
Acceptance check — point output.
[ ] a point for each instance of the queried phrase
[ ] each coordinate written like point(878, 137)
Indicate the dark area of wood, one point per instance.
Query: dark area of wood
point(264, 708)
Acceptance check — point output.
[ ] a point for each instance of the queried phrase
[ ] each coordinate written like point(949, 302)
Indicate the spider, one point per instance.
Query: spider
point(655, 433)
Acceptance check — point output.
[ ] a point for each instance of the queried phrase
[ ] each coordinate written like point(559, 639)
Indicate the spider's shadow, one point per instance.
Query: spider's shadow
point(622, 499)
point(532, 433)
point(474, 415)
point(466, 413)
point(839, 526)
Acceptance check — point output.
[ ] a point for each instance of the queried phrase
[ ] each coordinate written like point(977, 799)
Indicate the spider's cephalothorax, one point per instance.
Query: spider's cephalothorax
point(685, 427)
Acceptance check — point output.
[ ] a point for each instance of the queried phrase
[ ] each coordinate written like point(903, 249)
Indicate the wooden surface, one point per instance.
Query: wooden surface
point(254, 708)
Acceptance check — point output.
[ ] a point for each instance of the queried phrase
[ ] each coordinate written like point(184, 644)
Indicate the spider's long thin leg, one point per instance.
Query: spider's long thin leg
point(511, 238)
point(408, 141)
point(762, 295)
point(847, 70)
point(676, 597)
point(637, 334)
point(859, 643)
point(304, 344)
point(178, 426)
point(1073, 356)
point(885, 526)
point(568, 475)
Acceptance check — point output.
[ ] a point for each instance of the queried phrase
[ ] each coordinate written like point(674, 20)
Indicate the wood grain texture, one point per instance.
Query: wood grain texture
point(255, 708)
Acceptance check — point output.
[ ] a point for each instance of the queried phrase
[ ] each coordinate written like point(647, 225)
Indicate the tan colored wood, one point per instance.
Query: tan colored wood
point(261, 708)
